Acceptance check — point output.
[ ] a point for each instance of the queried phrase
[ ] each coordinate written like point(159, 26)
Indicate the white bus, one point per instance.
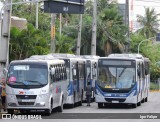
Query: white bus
point(76, 77)
point(34, 84)
point(122, 79)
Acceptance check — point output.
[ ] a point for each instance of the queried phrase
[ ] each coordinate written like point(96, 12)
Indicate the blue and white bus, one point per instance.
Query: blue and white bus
point(121, 79)
point(75, 67)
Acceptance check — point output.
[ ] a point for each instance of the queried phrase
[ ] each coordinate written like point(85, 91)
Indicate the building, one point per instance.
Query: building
point(137, 7)
point(20, 23)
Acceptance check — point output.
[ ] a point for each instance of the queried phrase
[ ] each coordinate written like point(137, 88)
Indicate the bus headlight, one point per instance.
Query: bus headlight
point(42, 96)
point(11, 97)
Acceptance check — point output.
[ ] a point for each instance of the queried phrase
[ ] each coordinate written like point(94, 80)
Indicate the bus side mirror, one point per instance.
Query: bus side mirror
point(146, 72)
point(52, 71)
point(138, 72)
point(5, 71)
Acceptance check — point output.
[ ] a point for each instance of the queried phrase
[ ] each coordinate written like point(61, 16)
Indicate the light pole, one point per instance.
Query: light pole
point(144, 41)
point(17, 3)
point(7, 30)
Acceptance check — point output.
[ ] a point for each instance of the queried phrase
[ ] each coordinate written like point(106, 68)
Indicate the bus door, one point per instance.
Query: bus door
point(94, 74)
point(52, 84)
point(84, 70)
point(78, 79)
point(143, 78)
point(74, 76)
point(88, 73)
point(140, 78)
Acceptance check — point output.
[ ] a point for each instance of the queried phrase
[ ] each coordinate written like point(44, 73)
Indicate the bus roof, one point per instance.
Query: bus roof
point(55, 61)
point(65, 55)
point(89, 56)
point(138, 56)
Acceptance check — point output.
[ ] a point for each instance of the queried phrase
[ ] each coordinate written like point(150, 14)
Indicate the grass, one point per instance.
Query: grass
point(154, 86)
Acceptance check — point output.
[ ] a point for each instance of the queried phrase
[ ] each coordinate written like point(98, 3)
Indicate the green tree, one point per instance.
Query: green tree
point(135, 40)
point(64, 44)
point(149, 23)
point(111, 30)
point(27, 42)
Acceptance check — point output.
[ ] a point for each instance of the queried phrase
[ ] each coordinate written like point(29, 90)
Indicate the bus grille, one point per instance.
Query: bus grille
point(115, 99)
point(26, 96)
point(26, 99)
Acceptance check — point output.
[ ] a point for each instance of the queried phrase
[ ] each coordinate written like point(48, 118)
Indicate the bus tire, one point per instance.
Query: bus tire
point(134, 105)
point(100, 105)
point(49, 111)
point(146, 99)
point(61, 106)
point(10, 111)
point(143, 100)
point(139, 103)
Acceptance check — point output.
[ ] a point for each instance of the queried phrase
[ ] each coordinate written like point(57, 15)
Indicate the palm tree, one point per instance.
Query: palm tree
point(27, 42)
point(112, 30)
point(64, 44)
point(149, 23)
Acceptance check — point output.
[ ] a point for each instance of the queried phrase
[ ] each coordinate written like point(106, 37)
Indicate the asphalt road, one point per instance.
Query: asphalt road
point(150, 108)
point(110, 113)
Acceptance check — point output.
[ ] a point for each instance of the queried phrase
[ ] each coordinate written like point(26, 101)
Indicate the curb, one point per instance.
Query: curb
point(154, 90)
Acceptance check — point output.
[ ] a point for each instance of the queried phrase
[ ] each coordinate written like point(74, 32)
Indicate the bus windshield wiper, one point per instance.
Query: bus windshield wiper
point(21, 83)
point(34, 81)
point(122, 71)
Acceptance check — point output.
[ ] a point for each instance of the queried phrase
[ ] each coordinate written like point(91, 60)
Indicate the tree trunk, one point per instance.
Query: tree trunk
point(107, 48)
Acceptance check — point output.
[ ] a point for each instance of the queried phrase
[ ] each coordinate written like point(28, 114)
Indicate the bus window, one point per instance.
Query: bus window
point(74, 74)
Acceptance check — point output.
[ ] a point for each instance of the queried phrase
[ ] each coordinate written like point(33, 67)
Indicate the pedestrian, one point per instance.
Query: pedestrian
point(89, 90)
point(3, 97)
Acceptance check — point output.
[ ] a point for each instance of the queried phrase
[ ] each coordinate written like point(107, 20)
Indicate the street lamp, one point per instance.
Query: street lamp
point(144, 41)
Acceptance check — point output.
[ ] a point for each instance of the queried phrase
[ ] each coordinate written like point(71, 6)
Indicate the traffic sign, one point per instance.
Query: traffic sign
point(65, 6)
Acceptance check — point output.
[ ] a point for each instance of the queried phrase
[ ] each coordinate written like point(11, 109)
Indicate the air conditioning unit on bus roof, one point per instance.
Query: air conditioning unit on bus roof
point(139, 56)
point(65, 55)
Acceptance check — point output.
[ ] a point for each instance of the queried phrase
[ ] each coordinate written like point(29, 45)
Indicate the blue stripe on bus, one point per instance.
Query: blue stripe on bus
point(117, 94)
point(70, 88)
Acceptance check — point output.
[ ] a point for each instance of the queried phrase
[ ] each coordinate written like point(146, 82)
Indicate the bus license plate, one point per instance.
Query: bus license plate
point(26, 100)
point(115, 101)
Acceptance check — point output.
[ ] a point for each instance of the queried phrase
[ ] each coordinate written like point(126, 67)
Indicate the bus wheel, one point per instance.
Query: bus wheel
point(49, 111)
point(10, 111)
point(61, 107)
point(146, 99)
point(139, 103)
point(134, 105)
point(100, 105)
point(143, 100)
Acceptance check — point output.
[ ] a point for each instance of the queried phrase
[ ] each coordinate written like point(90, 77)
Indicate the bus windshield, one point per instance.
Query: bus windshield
point(116, 76)
point(27, 75)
